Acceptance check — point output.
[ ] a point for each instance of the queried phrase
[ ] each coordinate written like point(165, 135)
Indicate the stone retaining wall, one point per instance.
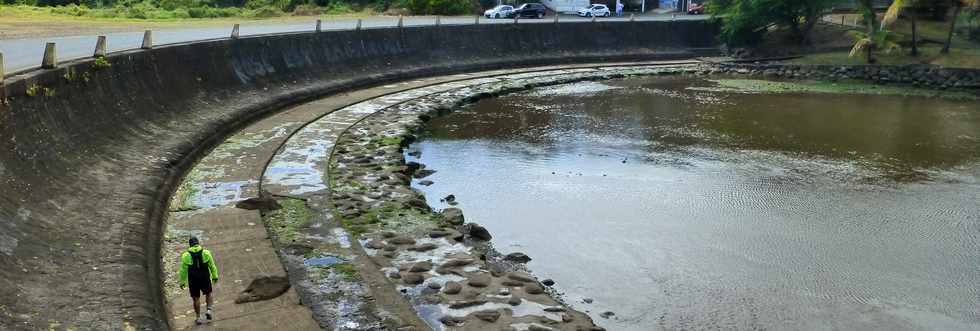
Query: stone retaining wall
point(918, 75)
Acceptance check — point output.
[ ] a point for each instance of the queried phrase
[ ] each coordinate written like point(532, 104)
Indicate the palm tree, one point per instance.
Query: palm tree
point(880, 37)
point(865, 41)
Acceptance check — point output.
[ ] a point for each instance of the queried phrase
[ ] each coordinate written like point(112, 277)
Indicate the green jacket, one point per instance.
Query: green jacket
point(186, 260)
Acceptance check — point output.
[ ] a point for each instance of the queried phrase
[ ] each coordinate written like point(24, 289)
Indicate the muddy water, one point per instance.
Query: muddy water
point(676, 205)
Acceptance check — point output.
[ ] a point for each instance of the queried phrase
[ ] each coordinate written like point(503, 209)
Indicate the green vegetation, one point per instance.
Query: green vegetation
point(182, 199)
point(101, 63)
point(35, 90)
point(766, 86)
point(286, 222)
point(188, 9)
point(744, 22)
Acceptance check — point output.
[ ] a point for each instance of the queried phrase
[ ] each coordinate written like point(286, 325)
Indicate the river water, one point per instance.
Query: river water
point(674, 205)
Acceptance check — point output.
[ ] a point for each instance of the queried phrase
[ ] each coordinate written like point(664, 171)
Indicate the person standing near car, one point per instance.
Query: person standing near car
point(198, 272)
point(619, 8)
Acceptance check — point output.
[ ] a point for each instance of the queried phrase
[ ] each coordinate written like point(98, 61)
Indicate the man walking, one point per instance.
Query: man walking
point(197, 270)
point(619, 8)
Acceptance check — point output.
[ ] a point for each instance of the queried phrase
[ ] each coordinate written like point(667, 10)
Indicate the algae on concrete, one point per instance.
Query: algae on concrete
point(286, 222)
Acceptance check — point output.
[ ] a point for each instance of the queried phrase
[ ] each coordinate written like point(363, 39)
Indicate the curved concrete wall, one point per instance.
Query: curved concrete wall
point(89, 153)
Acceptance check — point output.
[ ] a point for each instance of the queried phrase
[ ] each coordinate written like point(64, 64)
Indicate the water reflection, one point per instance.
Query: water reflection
point(680, 208)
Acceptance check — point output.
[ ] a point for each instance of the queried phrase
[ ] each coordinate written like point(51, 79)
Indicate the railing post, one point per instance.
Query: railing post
point(438, 21)
point(477, 20)
point(631, 17)
point(50, 59)
point(358, 27)
point(1, 69)
point(556, 17)
point(234, 32)
point(593, 19)
point(319, 25)
point(516, 17)
point(147, 39)
point(400, 21)
point(100, 47)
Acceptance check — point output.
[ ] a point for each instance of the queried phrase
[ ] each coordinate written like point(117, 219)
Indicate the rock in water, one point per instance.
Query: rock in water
point(426, 182)
point(423, 173)
point(548, 282)
point(487, 315)
point(453, 216)
point(517, 257)
point(422, 266)
point(452, 288)
point(521, 276)
point(534, 288)
point(479, 232)
point(412, 278)
point(264, 288)
point(479, 280)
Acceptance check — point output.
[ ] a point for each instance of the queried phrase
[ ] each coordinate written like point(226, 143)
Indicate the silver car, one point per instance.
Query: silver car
point(502, 11)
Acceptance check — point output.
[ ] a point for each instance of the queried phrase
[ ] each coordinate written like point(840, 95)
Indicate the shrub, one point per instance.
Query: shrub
point(267, 11)
point(307, 10)
point(72, 9)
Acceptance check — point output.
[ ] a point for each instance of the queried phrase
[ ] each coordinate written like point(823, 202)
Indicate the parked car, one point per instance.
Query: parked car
point(695, 9)
point(501, 11)
point(532, 9)
point(594, 10)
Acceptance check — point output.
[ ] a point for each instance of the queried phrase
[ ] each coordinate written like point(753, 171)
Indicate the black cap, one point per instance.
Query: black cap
point(193, 241)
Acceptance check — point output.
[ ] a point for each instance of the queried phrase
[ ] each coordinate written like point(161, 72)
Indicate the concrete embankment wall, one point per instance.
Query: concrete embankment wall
point(89, 152)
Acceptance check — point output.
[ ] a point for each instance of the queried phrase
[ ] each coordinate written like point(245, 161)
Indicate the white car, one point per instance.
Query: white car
point(594, 10)
point(502, 11)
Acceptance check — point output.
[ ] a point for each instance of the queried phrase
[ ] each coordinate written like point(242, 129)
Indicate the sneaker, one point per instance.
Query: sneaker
point(198, 321)
point(209, 314)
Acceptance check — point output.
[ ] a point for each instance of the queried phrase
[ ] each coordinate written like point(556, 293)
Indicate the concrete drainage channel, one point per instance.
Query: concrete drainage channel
point(324, 190)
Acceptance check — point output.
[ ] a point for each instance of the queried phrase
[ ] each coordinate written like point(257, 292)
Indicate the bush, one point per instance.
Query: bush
point(267, 11)
point(72, 9)
point(307, 10)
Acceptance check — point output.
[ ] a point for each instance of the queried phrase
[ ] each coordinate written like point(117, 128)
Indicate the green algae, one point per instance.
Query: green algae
point(285, 223)
point(346, 271)
point(183, 197)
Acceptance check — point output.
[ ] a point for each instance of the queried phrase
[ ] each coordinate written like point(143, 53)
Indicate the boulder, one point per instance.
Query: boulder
point(517, 257)
point(487, 315)
point(412, 278)
point(264, 288)
point(479, 280)
point(478, 232)
point(533, 288)
point(452, 288)
point(421, 266)
point(453, 216)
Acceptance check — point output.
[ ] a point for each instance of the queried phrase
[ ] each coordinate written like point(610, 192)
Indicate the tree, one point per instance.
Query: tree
point(745, 21)
point(958, 6)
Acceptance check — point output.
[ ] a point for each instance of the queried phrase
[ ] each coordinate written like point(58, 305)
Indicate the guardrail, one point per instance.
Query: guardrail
point(51, 59)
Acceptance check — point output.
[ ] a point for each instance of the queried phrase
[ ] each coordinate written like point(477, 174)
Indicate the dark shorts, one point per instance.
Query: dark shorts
point(198, 287)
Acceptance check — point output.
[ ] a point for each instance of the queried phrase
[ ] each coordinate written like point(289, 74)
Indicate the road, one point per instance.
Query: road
point(24, 54)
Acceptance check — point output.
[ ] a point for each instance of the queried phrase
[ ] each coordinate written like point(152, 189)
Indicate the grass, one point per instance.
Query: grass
point(963, 53)
point(755, 85)
point(957, 58)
